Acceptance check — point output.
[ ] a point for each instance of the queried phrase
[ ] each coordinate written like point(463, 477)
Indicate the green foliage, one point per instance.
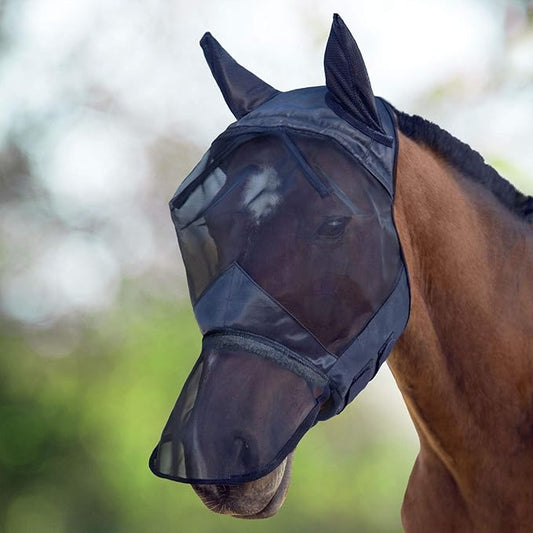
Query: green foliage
point(77, 432)
point(511, 172)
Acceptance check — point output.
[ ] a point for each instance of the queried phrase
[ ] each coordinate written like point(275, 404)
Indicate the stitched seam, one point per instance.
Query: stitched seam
point(265, 130)
point(371, 319)
point(228, 299)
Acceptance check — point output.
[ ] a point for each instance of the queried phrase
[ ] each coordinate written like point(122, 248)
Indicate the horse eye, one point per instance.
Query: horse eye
point(333, 227)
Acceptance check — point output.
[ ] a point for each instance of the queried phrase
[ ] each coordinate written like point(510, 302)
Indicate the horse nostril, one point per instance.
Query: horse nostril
point(242, 443)
point(241, 447)
point(244, 454)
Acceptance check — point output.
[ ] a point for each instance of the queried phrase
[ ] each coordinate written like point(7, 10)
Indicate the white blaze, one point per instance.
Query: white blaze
point(260, 195)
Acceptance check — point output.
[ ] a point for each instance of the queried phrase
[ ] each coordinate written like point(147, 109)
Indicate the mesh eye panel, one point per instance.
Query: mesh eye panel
point(329, 260)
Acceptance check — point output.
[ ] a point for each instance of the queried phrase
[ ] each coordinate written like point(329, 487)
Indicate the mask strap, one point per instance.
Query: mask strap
point(267, 349)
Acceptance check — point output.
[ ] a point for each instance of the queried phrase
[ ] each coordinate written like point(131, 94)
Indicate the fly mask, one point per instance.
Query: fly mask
point(294, 266)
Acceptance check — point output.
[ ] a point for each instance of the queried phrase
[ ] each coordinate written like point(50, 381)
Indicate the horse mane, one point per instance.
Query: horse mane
point(469, 162)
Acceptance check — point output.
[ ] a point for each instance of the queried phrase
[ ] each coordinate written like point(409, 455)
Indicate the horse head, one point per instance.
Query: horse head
point(295, 273)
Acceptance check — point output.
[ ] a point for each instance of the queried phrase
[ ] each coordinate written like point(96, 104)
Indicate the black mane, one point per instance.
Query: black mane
point(467, 161)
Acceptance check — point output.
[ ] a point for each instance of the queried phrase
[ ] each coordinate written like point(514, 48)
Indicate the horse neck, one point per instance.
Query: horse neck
point(464, 364)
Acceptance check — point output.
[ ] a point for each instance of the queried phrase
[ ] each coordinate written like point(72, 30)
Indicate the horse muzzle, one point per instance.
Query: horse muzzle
point(261, 498)
point(243, 409)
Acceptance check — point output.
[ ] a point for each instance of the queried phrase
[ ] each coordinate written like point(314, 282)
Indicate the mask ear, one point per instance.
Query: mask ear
point(346, 76)
point(242, 90)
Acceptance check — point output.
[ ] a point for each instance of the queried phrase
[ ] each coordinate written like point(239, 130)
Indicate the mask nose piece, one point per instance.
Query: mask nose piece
point(246, 404)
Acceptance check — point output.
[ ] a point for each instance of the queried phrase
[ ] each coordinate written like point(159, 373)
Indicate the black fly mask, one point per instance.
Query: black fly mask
point(293, 263)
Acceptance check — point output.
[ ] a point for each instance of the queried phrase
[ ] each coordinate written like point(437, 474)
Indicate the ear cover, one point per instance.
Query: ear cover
point(242, 90)
point(347, 78)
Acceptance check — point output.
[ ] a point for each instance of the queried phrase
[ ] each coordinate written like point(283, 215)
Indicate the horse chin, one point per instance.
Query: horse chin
point(261, 498)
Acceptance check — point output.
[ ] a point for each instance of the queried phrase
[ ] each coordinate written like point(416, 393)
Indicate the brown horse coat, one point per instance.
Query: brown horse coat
point(465, 362)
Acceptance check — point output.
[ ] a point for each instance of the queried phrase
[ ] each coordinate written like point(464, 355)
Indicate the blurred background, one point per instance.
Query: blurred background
point(105, 105)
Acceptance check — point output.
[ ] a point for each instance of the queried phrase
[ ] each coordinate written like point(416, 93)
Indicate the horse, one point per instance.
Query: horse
point(464, 358)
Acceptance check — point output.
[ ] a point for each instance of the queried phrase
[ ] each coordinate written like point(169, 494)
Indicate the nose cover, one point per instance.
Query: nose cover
point(296, 277)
